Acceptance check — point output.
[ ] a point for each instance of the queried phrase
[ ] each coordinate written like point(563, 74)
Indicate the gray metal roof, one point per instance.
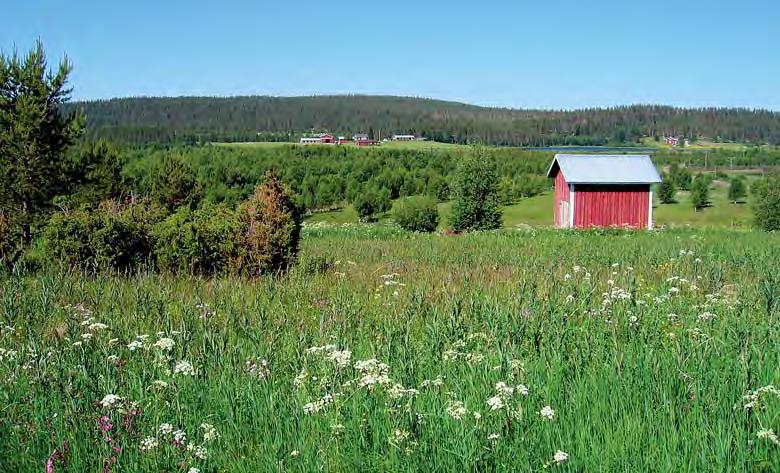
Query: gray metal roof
point(606, 168)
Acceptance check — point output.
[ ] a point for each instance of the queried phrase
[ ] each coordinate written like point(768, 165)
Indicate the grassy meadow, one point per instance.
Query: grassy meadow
point(381, 350)
point(536, 211)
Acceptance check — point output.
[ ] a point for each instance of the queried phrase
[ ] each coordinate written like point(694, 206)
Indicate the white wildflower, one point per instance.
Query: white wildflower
point(340, 357)
point(149, 443)
point(456, 409)
point(110, 400)
point(495, 403)
point(547, 412)
point(522, 389)
point(97, 326)
point(493, 436)
point(184, 367)
point(165, 428)
point(209, 432)
point(560, 457)
point(165, 344)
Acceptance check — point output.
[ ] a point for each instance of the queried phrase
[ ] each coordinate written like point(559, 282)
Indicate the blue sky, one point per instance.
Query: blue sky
point(541, 54)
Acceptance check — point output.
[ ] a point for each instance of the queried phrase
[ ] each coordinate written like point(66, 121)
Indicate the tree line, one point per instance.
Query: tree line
point(142, 120)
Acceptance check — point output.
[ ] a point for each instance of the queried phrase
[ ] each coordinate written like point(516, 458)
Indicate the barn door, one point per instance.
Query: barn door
point(563, 214)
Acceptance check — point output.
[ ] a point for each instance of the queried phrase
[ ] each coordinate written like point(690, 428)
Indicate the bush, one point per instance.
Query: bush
point(176, 184)
point(416, 214)
point(737, 189)
point(271, 224)
point(667, 190)
point(766, 202)
point(116, 236)
point(700, 192)
point(372, 202)
point(10, 241)
point(477, 205)
point(199, 242)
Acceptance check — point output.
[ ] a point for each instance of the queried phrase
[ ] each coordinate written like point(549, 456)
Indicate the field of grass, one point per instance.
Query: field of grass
point(386, 351)
point(537, 212)
point(414, 145)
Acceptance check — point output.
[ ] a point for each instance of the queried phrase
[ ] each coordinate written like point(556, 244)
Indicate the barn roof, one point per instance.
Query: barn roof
point(606, 168)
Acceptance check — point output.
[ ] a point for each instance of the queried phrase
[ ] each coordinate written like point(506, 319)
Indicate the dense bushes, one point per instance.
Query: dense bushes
point(261, 236)
point(115, 236)
point(416, 214)
point(201, 241)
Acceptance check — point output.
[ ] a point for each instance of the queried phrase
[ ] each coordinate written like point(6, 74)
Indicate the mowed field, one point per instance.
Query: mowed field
point(388, 351)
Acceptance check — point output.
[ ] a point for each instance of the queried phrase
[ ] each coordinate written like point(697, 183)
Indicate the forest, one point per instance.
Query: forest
point(260, 118)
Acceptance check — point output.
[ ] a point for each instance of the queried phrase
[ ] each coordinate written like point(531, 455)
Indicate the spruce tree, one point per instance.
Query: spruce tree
point(477, 204)
point(667, 189)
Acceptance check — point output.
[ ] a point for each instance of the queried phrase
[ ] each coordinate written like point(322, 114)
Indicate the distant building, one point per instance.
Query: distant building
point(671, 140)
point(326, 138)
point(403, 138)
point(359, 137)
point(366, 142)
point(603, 190)
point(308, 140)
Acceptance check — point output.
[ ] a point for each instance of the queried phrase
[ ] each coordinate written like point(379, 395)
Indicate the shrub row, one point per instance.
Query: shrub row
point(260, 236)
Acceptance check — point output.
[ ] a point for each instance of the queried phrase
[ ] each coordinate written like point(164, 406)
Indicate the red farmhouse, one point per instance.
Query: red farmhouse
point(603, 190)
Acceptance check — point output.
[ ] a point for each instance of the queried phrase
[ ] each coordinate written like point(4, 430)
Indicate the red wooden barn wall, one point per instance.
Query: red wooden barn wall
point(561, 194)
point(607, 205)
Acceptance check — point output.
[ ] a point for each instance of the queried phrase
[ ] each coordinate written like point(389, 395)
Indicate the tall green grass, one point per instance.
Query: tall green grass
point(643, 344)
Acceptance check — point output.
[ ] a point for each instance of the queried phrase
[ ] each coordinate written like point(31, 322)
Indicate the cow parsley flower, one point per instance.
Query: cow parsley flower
point(184, 367)
point(110, 400)
point(165, 344)
point(456, 409)
point(495, 403)
point(560, 457)
point(149, 443)
point(547, 412)
point(165, 428)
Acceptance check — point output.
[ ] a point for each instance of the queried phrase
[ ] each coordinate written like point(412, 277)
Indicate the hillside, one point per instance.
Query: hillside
point(260, 118)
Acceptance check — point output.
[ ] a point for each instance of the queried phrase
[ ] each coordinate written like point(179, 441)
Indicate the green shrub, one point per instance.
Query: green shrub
point(737, 189)
point(416, 214)
point(667, 189)
point(68, 238)
point(477, 204)
point(10, 241)
point(200, 242)
point(372, 202)
point(700, 192)
point(766, 202)
point(176, 184)
point(271, 225)
point(115, 236)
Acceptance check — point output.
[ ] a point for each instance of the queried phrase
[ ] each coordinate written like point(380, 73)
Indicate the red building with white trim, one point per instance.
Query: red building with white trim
point(603, 190)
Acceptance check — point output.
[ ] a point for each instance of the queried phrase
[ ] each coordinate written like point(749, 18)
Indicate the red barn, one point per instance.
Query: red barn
point(603, 190)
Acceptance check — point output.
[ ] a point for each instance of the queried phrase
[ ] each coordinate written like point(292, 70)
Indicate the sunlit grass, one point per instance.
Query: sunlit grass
point(642, 344)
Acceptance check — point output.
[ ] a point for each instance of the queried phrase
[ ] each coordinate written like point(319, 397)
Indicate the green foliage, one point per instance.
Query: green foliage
point(271, 223)
point(700, 192)
point(10, 241)
point(115, 236)
point(33, 136)
point(94, 175)
point(766, 202)
point(176, 184)
point(476, 205)
point(200, 242)
point(681, 176)
point(737, 189)
point(667, 189)
point(372, 202)
point(416, 214)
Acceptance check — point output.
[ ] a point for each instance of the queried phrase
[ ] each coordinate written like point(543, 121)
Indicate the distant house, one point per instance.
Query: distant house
point(671, 140)
point(403, 138)
point(359, 137)
point(307, 140)
point(326, 138)
point(603, 190)
point(366, 142)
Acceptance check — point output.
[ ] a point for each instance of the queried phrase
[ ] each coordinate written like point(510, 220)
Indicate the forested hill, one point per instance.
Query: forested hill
point(253, 118)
